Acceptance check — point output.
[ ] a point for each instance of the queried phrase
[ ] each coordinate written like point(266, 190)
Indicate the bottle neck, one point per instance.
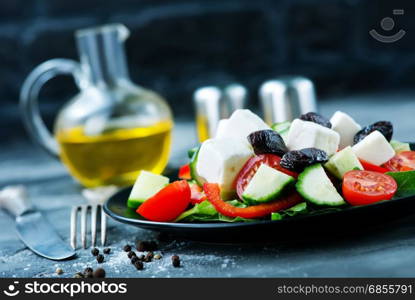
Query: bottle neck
point(103, 59)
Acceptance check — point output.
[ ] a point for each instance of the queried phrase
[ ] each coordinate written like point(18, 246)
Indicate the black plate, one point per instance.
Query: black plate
point(295, 228)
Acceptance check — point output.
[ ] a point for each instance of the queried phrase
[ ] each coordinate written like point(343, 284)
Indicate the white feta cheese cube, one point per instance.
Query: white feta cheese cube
point(221, 127)
point(240, 124)
point(374, 149)
point(220, 160)
point(305, 134)
point(345, 126)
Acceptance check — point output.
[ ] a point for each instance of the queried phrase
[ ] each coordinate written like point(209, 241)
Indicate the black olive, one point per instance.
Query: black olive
point(384, 127)
point(316, 118)
point(267, 141)
point(297, 160)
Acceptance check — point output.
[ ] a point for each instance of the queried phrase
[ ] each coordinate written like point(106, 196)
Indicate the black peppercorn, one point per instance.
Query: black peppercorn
point(99, 273)
point(100, 258)
point(107, 250)
point(127, 248)
point(139, 265)
point(175, 259)
point(88, 270)
point(131, 254)
point(140, 245)
point(149, 257)
point(78, 275)
point(134, 259)
point(146, 246)
point(59, 271)
point(94, 251)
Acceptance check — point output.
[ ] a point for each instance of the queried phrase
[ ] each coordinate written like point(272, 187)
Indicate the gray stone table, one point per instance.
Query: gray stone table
point(387, 251)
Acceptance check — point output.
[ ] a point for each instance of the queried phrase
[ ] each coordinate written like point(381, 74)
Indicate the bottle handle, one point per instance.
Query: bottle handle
point(29, 99)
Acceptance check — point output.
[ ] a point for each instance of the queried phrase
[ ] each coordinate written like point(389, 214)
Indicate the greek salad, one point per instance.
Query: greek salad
point(251, 171)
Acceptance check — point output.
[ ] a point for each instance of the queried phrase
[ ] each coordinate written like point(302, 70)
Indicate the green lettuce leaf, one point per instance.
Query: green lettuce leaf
point(205, 212)
point(405, 181)
point(301, 209)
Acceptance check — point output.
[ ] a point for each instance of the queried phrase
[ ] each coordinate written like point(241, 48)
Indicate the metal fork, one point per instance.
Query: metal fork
point(95, 197)
point(83, 209)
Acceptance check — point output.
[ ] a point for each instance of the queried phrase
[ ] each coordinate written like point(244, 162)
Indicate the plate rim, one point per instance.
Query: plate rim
point(210, 225)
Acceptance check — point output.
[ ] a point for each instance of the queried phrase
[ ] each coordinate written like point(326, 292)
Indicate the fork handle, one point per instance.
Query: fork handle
point(15, 200)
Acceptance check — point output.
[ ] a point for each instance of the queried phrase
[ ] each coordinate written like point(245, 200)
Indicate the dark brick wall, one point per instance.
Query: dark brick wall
point(176, 46)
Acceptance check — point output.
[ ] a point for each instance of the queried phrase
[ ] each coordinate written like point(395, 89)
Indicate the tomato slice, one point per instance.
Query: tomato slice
point(365, 187)
point(212, 192)
point(168, 203)
point(403, 161)
point(184, 172)
point(197, 194)
point(251, 166)
point(371, 167)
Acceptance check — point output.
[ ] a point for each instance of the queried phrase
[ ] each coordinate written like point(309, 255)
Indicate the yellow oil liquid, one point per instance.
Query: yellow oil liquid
point(115, 157)
point(202, 129)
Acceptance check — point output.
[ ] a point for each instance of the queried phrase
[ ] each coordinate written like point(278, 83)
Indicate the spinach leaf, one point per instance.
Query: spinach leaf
point(405, 181)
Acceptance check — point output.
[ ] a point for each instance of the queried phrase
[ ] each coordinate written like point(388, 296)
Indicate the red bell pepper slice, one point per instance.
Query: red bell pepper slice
point(184, 172)
point(197, 195)
point(371, 167)
point(212, 192)
point(168, 203)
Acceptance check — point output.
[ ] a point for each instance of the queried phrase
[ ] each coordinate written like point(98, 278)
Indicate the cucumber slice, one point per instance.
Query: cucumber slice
point(315, 186)
point(282, 128)
point(399, 146)
point(342, 162)
point(146, 186)
point(266, 185)
point(192, 165)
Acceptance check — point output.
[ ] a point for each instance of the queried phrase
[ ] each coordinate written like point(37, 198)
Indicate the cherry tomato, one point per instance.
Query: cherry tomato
point(403, 161)
point(184, 172)
point(251, 166)
point(365, 187)
point(212, 192)
point(168, 203)
point(371, 167)
point(197, 194)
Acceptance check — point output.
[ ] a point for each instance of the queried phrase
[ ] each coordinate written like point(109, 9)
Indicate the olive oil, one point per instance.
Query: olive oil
point(202, 128)
point(117, 156)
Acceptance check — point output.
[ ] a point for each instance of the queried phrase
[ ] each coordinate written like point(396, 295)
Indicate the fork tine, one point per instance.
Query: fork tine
point(74, 213)
point(84, 210)
point(94, 212)
point(103, 226)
